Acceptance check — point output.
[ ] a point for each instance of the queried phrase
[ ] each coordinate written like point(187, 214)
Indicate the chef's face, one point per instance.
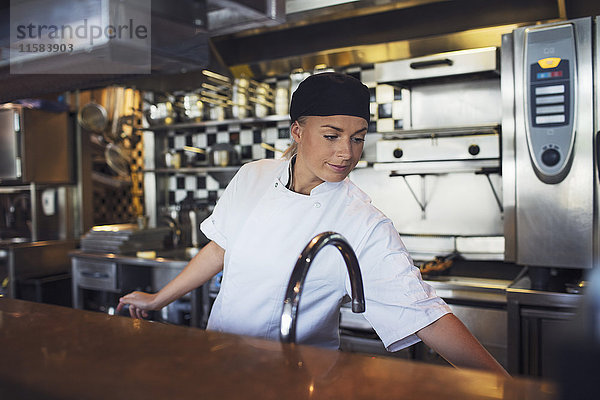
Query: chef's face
point(328, 149)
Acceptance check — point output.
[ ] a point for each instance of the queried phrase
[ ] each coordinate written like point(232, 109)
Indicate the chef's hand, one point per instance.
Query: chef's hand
point(139, 304)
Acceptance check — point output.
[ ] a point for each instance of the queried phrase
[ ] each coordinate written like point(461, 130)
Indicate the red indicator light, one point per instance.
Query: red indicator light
point(556, 74)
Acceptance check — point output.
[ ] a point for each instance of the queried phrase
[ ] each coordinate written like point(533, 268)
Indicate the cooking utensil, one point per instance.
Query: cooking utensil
point(191, 107)
point(270, 148)
point(196, 156)
point(93, 117)
point(194, 149)
point(282, 101)
point(117, 159)
point(162, 112)
point(222, 155)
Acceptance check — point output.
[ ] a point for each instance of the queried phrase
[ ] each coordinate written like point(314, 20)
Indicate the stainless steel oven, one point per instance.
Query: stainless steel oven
point(450, 139)
point(549, 138)
point(35, 146)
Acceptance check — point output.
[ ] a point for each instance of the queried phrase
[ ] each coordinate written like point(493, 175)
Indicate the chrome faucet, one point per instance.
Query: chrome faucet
point(289, 315)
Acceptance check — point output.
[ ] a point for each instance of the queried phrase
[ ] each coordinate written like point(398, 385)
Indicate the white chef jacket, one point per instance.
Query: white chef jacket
point(263, 227)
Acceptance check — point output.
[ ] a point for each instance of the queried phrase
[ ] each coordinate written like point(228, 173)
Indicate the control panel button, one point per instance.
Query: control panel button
point(558, 109)
point(550, 119)
point(550, 99)
point(554, 89)
point(398, 153)
point(474, 149)
point(550, 157)
point(550, 62)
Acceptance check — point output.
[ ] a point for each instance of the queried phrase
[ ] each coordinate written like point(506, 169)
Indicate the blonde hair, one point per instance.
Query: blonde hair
point(293, 149)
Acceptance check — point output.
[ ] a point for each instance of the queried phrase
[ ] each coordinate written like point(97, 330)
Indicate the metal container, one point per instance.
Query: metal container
point(35, 146)
point(223, 155)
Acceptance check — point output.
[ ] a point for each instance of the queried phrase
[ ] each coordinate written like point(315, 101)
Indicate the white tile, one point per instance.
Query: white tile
point(270, 135)
point(368, 76)
point(172, 182)
point(202, 193)
point(373, 108)
point(223, 137)
point(258, 152)
point(179, 141)
point(384, 94)
point(246, 137)
point(211, 183)
point(281, 144)
point(190, 182)
point(211, 129)
point(200, 141)
point(385, 125)
point(398, 109)
point(180, 194)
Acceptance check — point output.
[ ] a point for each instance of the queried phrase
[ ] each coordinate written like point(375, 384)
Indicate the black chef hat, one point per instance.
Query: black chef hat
point(330, 93)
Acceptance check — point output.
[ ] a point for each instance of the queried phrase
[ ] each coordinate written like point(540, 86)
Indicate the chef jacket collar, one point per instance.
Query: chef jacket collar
point(284, 177)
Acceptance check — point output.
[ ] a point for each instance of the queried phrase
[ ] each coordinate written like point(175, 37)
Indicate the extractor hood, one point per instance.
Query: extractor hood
point(177, 41)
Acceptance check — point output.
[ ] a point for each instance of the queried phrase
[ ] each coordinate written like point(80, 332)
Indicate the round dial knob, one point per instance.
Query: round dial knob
point(398, 153)
point(474, 149)
point(550, 157)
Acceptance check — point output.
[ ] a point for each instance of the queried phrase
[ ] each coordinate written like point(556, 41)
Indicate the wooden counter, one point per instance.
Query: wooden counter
point(51, 352)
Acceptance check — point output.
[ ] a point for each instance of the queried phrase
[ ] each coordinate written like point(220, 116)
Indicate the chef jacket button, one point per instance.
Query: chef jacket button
point(317, 204)
point(276, 184)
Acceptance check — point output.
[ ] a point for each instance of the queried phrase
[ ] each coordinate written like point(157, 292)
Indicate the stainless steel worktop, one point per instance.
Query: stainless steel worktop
point(175, 258)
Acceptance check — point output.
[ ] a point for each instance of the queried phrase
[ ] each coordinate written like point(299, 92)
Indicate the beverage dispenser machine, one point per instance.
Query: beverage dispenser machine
point(549, 85)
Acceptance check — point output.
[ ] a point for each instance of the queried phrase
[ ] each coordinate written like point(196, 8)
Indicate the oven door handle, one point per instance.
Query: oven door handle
point(95, 275)
point(431, 63)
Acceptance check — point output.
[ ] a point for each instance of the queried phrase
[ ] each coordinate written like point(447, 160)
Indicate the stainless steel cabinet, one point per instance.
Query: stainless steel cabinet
point(535, 318)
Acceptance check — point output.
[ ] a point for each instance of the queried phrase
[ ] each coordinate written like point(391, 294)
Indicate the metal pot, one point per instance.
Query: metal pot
point(222, 155)
point(191, 107)
point(162, 112)
point(93, 117)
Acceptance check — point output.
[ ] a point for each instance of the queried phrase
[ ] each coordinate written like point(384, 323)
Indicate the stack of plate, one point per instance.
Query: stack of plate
point(123, 238)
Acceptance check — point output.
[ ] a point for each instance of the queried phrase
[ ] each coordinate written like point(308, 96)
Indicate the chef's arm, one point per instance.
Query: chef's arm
point(206, 264)
point(453, 341)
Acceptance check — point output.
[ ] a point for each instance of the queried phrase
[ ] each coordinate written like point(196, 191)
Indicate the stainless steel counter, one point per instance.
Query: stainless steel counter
point(120, 274)
point(21, 259)
point(536, 317)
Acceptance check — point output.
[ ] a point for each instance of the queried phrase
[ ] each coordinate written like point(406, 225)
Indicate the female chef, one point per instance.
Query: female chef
point(272, 208)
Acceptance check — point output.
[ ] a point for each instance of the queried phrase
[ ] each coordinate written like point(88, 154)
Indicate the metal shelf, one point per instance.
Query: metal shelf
point(436, 167)
point(191, 170)
point(442, 132)
point(192, 125)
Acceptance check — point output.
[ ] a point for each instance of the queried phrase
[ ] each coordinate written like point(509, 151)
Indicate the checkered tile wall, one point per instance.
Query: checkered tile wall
point(246, 139)
point(388, 112)
point(115, 205)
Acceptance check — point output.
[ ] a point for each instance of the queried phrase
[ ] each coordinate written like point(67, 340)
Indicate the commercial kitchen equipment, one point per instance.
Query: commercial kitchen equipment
point(99, 279)
point(438, 179)
point(35, 146)
point(550, 123)
point(24, 264)
point(550, 178)
point(450, 138)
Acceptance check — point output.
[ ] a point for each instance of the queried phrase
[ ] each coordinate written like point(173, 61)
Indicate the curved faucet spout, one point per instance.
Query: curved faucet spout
point(289, 315)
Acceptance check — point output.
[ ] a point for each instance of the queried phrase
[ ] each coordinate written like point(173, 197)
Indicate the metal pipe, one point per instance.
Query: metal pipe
point(289, 315)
